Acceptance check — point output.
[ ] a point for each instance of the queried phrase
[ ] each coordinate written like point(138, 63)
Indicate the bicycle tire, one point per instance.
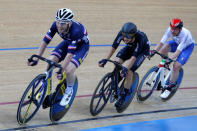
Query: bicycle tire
point(57, 111)
point(103, 93)
point(181, 73)
point(142, 89)
point(38, 93)
point(129, 98)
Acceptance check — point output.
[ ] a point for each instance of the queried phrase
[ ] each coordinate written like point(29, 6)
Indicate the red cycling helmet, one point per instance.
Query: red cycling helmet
point(176, 23)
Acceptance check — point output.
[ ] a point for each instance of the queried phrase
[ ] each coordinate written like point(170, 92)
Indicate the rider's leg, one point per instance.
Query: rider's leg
point(75, 62)
point(175, 72)
point(70, 74)
point(181, 60)
point(70, 78)
point(121, 61)
point(54, 59)
point(128, 80)
point(129, 77)
point(123, 55)
point(170, 47)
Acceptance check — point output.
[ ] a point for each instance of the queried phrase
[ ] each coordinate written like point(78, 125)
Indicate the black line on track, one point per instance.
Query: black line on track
point(26, 128)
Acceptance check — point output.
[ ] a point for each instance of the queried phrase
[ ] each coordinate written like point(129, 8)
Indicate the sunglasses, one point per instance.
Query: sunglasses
point(63, 21)
point(129, 36)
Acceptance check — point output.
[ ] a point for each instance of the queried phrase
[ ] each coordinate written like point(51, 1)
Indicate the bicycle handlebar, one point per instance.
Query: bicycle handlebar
point(46, 60)
point(116, 63)
point(165, 57)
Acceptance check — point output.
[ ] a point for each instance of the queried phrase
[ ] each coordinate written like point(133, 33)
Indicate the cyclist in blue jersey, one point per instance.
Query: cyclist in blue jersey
point(72, 50)
point(134, 53)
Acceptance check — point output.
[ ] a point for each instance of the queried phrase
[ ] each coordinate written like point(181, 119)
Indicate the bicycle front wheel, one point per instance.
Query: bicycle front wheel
point(101, 94)
point(148, 84)
point(31, 100)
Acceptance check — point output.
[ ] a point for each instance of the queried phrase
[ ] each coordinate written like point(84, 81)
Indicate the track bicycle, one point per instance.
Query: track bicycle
point(158, 76)
point(34, 95)
point(110, 88)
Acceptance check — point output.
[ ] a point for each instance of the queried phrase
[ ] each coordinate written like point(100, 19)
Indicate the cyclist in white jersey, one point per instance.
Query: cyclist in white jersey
point(181, 44)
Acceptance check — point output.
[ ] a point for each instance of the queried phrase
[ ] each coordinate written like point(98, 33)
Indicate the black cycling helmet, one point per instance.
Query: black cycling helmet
point(129, 30)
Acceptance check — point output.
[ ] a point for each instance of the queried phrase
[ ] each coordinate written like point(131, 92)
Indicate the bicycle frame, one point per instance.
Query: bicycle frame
point(161, 74)
point(162, 69)
point(115, 79)
point(115, 75)
point(47, 83)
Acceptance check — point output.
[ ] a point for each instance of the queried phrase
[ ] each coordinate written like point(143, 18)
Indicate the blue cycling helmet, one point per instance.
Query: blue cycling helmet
point(129, 30)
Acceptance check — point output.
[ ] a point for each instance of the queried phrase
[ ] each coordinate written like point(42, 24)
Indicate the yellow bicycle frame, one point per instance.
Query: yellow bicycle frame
point(49, 85)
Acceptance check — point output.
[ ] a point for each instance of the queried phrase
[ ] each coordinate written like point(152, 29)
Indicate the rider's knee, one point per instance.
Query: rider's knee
point(129, 73)
point(119, 60)
point(54, 58)
point(176, 66)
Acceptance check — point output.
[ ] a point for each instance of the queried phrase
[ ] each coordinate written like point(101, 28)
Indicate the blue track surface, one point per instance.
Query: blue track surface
point(188, 123)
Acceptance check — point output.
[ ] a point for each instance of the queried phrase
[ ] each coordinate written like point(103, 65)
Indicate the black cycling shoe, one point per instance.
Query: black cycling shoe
point(121, 100)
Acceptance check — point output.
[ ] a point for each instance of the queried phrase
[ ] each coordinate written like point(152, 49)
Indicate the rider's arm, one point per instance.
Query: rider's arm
point(42, 48)
point(175, 54)
point(115, 45)
point(111, 52)
point(158, 47)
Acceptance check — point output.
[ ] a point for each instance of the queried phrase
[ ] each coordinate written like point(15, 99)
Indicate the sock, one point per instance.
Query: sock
point(170, 85)
point(68, 88)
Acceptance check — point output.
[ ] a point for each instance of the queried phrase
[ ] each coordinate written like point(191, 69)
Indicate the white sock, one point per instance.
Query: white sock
point(68, 89)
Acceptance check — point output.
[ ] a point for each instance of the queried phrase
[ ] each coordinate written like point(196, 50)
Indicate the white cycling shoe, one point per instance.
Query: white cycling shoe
point(165, 94)
point(66, 98)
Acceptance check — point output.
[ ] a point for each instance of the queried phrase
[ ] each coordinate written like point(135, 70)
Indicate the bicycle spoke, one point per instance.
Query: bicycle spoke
point(97, 104)
point(26, 102)
point(27, 112)
point(104, 98)
point(101, 95)
point(148, 84)
point(31, 100)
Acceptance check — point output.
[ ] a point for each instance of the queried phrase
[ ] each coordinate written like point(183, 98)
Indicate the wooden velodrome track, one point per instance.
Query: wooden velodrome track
point(23, 24)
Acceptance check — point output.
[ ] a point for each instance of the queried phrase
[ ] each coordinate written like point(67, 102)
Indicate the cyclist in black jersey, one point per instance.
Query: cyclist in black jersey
point(134, 53)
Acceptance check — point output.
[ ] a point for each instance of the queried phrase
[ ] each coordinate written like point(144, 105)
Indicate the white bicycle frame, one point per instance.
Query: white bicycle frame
point(160, 72)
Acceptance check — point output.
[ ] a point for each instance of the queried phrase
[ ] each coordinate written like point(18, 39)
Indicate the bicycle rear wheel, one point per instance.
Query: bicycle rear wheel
point(57, 111)
point(173, 91)
point(31, 100)
point(148, 84)
point(129, 98)
point(101, 94)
